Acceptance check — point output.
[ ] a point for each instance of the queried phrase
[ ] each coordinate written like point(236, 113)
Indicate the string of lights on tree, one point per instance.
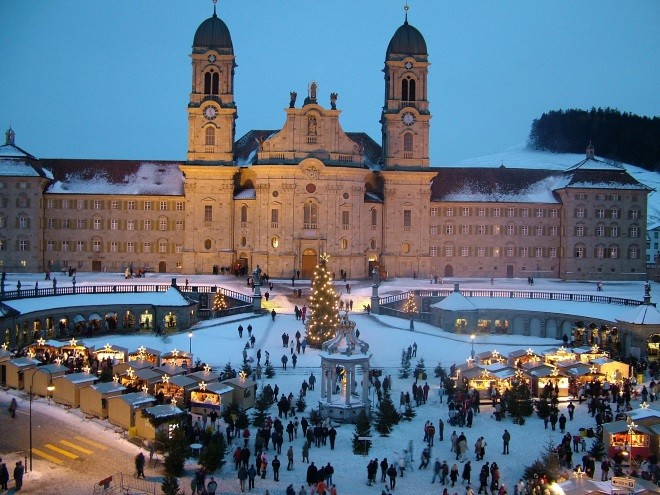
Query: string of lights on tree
point(323, 305)
point(219, 301)
point(410, 307)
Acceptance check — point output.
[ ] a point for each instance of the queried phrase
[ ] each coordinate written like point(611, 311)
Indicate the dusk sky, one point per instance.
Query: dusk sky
point(94, 79)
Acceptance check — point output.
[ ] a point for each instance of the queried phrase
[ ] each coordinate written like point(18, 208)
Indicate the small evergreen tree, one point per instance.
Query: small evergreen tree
point(409, 412)
point(420, 370)
point(219, 301)
point(440, 372)
point(242, 421)
point(170, 485)
point(213, 454)
point(270, 370)
point(547, 465)
point(247, 369)
point(301, 404)
point(519, 402)
point(228, 371)
point(176, 453)
point(597, 450)
point(316, 417)
point(260, 412)
point(406, 369)
point(386, 415)
point(323, 313)
point(362, 429)
point(542, 408)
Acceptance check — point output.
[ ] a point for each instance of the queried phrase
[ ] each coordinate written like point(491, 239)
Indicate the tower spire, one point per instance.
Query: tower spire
point(406, 8)
point(214, 2)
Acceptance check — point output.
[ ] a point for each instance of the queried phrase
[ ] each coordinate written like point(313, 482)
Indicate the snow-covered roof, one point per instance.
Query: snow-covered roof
point(13, 151)
point(22, 362)
point(135, 399)
point(77, 378)
point(17, 168)
point(163, 411)
point(644, 314)
point(116, 177)
point(219, 388)
point(107, 387)
point(171, 297)
point(182, 381)
point(455, 302)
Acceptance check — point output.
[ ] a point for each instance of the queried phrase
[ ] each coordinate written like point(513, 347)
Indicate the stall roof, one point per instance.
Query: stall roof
point(148, 374)
point(579, 369)
point(163, 411)
point(643, 412)
point(146, 350)
point(504, 373)
point(171, 354)
point(77, 378)
point(53, 368)
point(543, 371)
point(240, 382)
point(204, 376)
point(182, 381)
point(218, 388)
point(136, 398)
point(136, 364)
point(168, 369)
point(622, 426)
point(24, 361)
point(107, 387)
point(587, 487)
point(477, 373)
point(523, 352)
point(111, 348)
point(4, 353)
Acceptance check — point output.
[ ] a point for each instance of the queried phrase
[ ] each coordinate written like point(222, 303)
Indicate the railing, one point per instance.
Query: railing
point(113, 289)
point(515, 294)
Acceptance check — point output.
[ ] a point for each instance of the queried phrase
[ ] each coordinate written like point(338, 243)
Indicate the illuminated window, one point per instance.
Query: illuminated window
point(275, 242)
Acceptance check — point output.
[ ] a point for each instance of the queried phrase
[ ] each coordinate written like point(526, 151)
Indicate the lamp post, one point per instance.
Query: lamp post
point(190, 336)
point(50, 387)
point(472, 337)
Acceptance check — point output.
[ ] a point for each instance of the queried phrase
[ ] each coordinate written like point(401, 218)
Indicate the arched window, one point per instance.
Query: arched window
point(344, 243)
point(311, 126)
point(244, 214)
point(374, 218)
point(209, 136)
point(211, 82)
point(408, 141)
point(408, 89)
point(310, 215)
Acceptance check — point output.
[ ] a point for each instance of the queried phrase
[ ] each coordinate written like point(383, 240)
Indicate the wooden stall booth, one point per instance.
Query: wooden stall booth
point(171, 370)
point(68, 387)
point(144, 379)
point(5, 357)
point(519, 357)
point(613, 371)
point(122, 409)
point(177, 358)
point(40, 378)
point(152, 356)
point(557, 355)
point(15, 371)
point(94, 399)
point(177, 387)
point(544, 377)
point(206, 376)
point(244, 391)
point(114, 353)
point(621, 441)
point(156, 419)
point(209, 396)
point(121, 369)
point(479, 379)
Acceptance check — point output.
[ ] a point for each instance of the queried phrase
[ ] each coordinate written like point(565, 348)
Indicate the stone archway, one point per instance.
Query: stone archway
point(162, 267)
point(535, 327)
point(551, 329)
point(449, 271)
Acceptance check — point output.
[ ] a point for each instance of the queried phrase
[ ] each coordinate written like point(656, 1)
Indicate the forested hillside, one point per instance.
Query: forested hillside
point(618, 136)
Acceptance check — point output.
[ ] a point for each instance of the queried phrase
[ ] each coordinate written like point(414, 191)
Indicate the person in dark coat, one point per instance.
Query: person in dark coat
point(18, 475)
point(391, 472)
point(4, 476)
point(276, 468)
point(312, 473)
point(139, 464)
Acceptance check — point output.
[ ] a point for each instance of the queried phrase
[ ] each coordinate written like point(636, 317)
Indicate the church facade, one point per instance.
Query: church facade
point(280, 198)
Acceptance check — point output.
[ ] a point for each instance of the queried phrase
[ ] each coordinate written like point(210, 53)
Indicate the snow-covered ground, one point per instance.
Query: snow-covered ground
point(216, 342)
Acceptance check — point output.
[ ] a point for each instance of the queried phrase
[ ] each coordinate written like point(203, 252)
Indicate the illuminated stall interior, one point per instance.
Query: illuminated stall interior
point(623, 439)
point(177, 358)
point(115, 353)
point(177, 387)
point(210, 396)
point(142, 353)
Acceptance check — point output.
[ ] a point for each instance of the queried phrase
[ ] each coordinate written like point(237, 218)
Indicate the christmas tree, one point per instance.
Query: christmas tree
point(219, 302)
point(410, 307)
point(362, 430)
point(324, 315)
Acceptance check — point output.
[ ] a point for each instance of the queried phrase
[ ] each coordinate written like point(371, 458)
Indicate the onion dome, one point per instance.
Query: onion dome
point(213, 34)
point(407, 40)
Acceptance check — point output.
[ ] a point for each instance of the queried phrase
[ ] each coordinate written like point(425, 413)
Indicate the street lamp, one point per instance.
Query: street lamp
point(190, 335)
point(472, 340)
point(50, 387)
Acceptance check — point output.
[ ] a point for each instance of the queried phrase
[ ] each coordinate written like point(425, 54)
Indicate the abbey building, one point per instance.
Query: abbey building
point(281, 197)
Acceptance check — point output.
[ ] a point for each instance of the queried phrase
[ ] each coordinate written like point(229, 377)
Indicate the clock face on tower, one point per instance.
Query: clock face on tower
point(408, 119)
point(210, 112)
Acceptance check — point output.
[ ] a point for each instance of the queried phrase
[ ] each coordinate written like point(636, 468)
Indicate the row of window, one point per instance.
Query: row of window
point(581, 212)
point(482, 211)
point(599, 252)
point(96, 245)
point(162, 224)
point(603, 231)
point(115, 205)
point(540, 230)
point(604, 197)
point(18, 185)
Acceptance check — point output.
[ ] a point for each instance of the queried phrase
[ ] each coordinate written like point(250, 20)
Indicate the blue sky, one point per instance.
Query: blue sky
point(93, 79)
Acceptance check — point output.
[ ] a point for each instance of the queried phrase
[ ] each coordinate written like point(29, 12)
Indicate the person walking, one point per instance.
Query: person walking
point(289, 457)
point(252, 474)
point(437, 470)
point(383, 469)
point(12, 407)
point(467, 471)
point(284, 360)
point(453, 474)
point(139, 464)
point(506, 438)
point(242, 476)
point(19, 470)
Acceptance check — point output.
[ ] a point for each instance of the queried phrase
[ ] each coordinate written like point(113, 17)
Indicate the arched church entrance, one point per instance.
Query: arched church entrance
point(449, 271)
point(162, 267)
point(309, 261)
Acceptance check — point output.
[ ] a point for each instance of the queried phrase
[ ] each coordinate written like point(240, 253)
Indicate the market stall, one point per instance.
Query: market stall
point(171, 370)
point(177, 387)
point(544, 377)
point(122, 409)
point(623, 439)
point(178, 358)
point(244, 391)
point(94, 399)
point(40, 378)
point(206, 375)
point(157, 419)
point(614, 371)
point(68, 387)
point(558, 355)
point(14, 371)
point(210, 396)
point(152, 356)
point(521, 356)
point(121, 369)
point(114, 353)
